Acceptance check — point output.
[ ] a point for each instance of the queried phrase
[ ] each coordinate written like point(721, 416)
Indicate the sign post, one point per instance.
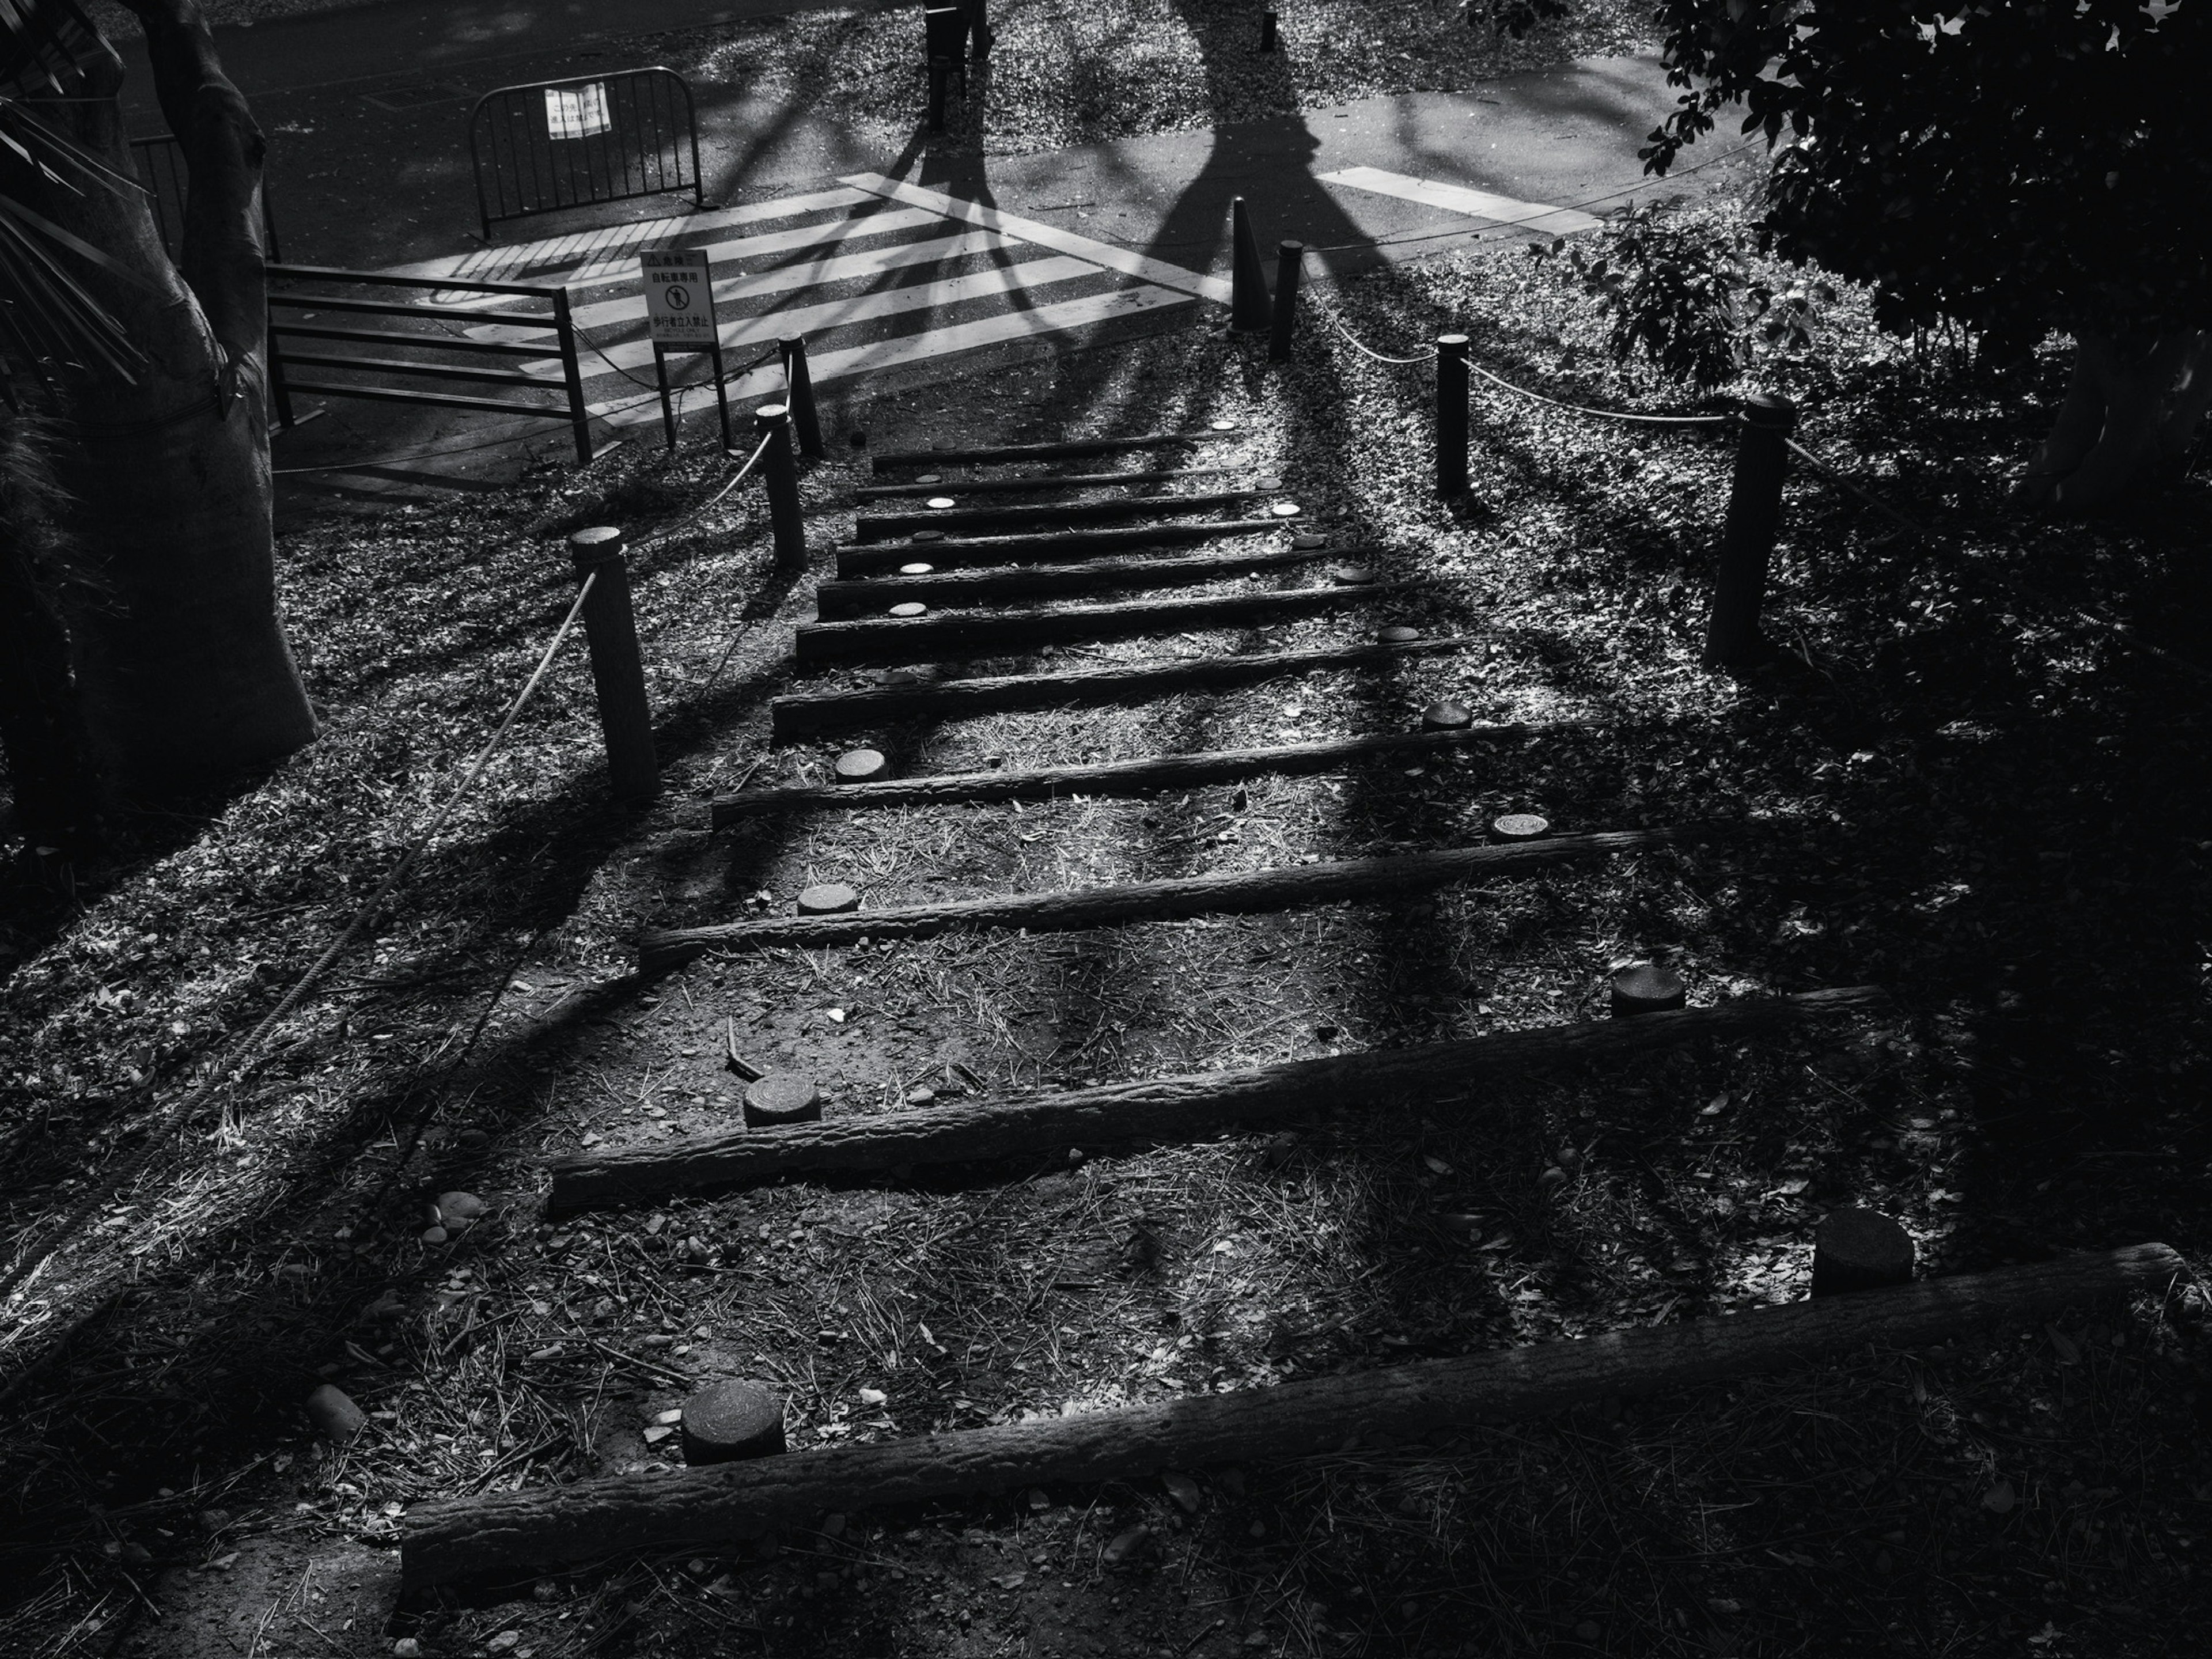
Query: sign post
point(679, 307)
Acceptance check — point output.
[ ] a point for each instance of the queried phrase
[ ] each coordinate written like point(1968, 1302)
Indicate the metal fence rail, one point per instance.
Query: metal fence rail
point(545, 145)
point(315, 300)
point(161, 169)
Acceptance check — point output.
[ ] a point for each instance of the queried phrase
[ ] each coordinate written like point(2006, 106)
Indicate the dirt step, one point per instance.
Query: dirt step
point(458, 1538)
point(1165, 1111)
point(1129, 777)
point(988, 634)
point(1066, 450)
point(798, 714)
point(836, 599)
point(959, 487)
point(968, 551)
point(1231, 892)
point(882, 527)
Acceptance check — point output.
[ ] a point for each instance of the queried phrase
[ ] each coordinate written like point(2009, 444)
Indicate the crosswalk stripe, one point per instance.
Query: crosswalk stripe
point(581, 255)
point(878, 355)
point(1458, 198)
point(858, 308)
point(1123, 259)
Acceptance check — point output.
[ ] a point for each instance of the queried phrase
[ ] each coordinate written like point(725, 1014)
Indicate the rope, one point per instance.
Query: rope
point(1330, 319)
point(708, 505)
point(1605, 414)
point(361, 920)
point(2127, 635)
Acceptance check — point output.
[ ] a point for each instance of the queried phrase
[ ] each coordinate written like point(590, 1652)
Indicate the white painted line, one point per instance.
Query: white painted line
point(579, 251)
point(765, 382)
point(844, 268)
point(1065, 241)
point(1457, 198)
point(838, 314)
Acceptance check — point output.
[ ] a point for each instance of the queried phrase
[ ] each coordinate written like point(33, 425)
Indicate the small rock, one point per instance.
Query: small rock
point(436, 1234)
point(545, 1590)
point(873, 1397)
point(829, 898)
point(473, 1140)
point(506, 1642)
point(1553, 1177)
point(1123, 1545)
point(335, 1416)
point(1570, 1159)
point(458, 1212)
point(406, 1648)
point(920, 1096)
point(2000, 1499)
point(1184, 1489)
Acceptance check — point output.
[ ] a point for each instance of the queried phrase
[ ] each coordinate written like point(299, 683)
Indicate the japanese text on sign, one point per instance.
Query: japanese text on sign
point(679, 298)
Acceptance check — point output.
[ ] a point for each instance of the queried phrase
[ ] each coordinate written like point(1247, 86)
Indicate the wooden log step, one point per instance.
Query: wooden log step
point(1036, 485)
point(457, 1540)
point(799, 714)
point(1226, 893)
point(875, 595)
point(1128, 777)
point(882, 527)
point(995, 633)
point(1163, 1111)
point(967, 552)
point(1066, 450)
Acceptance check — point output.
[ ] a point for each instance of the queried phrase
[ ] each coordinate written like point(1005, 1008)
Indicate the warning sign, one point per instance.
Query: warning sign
point(679, 299)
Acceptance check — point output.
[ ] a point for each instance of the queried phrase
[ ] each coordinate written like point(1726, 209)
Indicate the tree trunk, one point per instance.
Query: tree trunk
point(2131, 412)
point(39, 736)
point(182, 671)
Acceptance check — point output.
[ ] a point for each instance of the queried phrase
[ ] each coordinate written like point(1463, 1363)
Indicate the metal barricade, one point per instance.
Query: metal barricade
point(546, 145)
point(160, 163)
point(286, 359)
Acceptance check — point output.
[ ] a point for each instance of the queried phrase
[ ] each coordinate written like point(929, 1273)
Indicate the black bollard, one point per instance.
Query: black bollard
point(1451, 415)
point(1248, 277)
point(1266, 31)
point(940, 74)
point(1754, 512)
point(798, 390)
point(773, 421)
point(617, 668)
point(1288, 258)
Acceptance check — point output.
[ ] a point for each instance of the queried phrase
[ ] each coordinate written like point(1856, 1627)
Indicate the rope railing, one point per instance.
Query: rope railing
point(231, 1065)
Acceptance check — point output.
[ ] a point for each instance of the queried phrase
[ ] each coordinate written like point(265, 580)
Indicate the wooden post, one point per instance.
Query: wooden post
point(798, 389)
point(1266, 31)
point(1451, 415)
point(1856, 1248)
point(773, 421)
point(617, 668)
point(1754, 511)
point(1288, 256)
point(940, 73)
point(1248, 278)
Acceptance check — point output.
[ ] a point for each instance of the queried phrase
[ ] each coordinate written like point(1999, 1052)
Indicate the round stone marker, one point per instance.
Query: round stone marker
point(1352, 575)
point(783, 1097)
point(930, 477)
point(938, 503)
point(1645, 988)
point(728, 1420)
point(1224, 426)
point(910, 608)
point(1520, 826)
point(860, 765)
point(1269, 481)
point(1856, 1248)
point(829, 898)
point(927, 536)
point(1307, 543)
point(1447, 716)
point(917, 569)
point(1284, 509)
point(335, 1416)
point(1399, 634)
